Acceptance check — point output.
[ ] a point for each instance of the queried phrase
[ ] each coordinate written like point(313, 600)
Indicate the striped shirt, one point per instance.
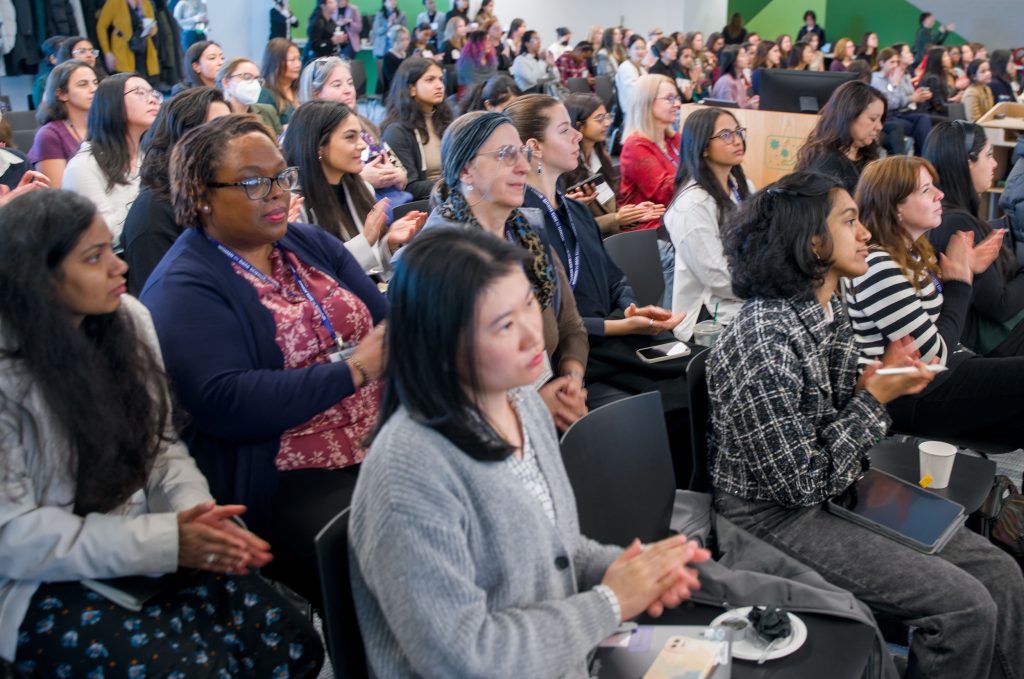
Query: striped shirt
point(884, 307)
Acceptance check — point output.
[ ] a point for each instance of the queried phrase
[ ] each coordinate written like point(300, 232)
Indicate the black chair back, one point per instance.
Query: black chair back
point(341, 629)
point(23, 139)
point(636, 253)
point(22, 120)
point(604, 88)
point(620, 468)
point(451, 80)
point(400, 211)
point(956, 111)
point(578, 85)
point(700, 414)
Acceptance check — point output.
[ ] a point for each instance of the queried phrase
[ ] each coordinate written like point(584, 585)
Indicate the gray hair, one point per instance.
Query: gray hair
point(51, 107)
point(463, 139)
point(315, 74)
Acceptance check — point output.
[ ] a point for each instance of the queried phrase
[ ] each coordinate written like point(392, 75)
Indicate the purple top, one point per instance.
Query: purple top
point(53, 141)
point(837, 66)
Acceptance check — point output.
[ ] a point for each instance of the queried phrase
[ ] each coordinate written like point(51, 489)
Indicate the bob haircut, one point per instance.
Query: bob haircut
point(57, 83)
point(696, 136)
point(432, 356)
point(639, 117)
point(832, 133)
point(768, 241)
point(185, 111)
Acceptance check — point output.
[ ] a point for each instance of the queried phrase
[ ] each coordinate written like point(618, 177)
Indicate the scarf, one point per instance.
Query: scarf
point(539, 270)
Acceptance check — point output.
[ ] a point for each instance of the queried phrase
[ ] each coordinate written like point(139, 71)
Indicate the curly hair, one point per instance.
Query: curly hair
point(769, 240)
point(402, 107)
point(198, 155)
point(102, 384)
point(832, 132)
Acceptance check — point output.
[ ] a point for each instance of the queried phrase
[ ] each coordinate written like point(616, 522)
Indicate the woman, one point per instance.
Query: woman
point(956, 61)
point(977, 98)
point(454, 40)
point(325, 144)
point(768, 55)
point(150, 228)
point(125, 29)
point(64, 116)
point(240, 81)
point(492, 95)
point(817, 61)
point(800, 57)
point(604, 298)
point(893, 81)
point(611, 53)
point(734, 33)
point(514, 37)
point(203, 60)
point(460, 8)
point(1003, 84)
point(192, 17)
point(485, 167)
point(268, 332)
point(630, 71)
point(417, 118)
point(486, 451)
point(106, 167)
point(534, 68)
point(868, 50)
point(785, 43)
point(78, 47)
point(119, 496)
point(433, 20)
point(388, 16)
point(282, 66)
point(908, 292)
point(485, 13)
point(843, 55)
point(588, 115)
point(794, 420)
point(398, 38)
point(330, 79)
point(963, 157)
point(710, 185)
point(667, 54)
point(495, 39)
point(422, 44)
point(846, 137)
point(936, 81)
point(730, 85)
point(477, 63)
point(325, 36)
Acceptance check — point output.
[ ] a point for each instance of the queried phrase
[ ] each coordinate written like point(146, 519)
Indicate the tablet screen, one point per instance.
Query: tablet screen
point(899, 505)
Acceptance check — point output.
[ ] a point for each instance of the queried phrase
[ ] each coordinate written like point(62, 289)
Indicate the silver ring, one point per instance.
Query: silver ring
point(650, 324)
point(210, 558)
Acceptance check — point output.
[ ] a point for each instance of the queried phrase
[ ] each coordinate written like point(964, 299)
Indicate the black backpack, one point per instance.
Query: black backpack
point(1002, 517)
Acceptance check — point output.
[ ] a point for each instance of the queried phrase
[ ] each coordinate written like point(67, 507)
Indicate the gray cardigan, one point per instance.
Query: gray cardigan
point(456, 570)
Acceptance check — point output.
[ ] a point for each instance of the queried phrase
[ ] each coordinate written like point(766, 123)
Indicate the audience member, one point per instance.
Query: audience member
point(192, 17)
point(398, 38)
point(730, 85)
point(980, 51)
point(800, 57)
point(325, 36)
point(493, 95)
point(514, 37)
point(416, 120)
point(867, 51)
point(817, 62)
point(150, 228)
point(477, 63)
point(811, 27)
point(423, 43)
point(528, 618)
point(454, 40)
point(966, 55)
point(82, 49)
point(282, 21)
point(629, 72)
point(203, 59)
point(734, 33)
point(64, 115)
point(485, 168)
point(325, 144)
point(435, 20)
point(977, 98)
point(843, 54)
point(496, 42)
point(485, 13)
point(562, 44)
point(937, 80)
point(388, 16)
point(611, 52)
point(460, 8)
point(768, 55)
point(1003, 84)
point(50, 49)
point(282, 66)
point(893, 82)
point(268, 331)
point(667, 63)
point(240, 81)
point(710, 184)
point(106, 167)
point(573, 64)
point(785, 44)
point(532, 69)
point(794, 419)
point(715, 43)
point(962, 155)
point(350, 20)
point(928, 35)
point(125, 30)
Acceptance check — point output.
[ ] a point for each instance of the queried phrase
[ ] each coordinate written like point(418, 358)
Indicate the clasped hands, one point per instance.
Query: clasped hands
point(209, 540)
point(655, 577)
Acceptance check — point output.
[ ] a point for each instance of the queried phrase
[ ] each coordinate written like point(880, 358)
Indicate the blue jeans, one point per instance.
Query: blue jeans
point(966, 603)
point(668, 270)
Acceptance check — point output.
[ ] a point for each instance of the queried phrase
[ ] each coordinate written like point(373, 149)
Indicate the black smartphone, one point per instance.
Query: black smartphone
point(593, 179)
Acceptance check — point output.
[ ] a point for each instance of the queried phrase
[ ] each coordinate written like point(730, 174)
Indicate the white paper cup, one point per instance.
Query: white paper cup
point(937, 459)
point(706, 332)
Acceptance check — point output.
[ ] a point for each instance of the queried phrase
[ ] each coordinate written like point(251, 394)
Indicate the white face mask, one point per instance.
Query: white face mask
point(246, 92)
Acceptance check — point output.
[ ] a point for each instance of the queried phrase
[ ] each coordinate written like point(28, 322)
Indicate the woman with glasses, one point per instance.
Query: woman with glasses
point(731, 85)
point(417, 118)
point(97, 484)
point(485, 168)
point(64, 115)
point(846, 137)
point(710, 184)
point(282, 66)
point(82, 49)
point(589, 116)
point(271, 336)
point(239, 79)
point(325, 143)
point(106, 168)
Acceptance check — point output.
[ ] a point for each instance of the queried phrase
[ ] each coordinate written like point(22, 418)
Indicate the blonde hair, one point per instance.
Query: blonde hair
point(639, 116)
point(840, 49)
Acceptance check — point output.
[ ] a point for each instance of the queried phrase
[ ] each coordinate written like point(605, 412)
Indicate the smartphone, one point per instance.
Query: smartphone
point(593, 179)
point(663, 352)
point(685, 657)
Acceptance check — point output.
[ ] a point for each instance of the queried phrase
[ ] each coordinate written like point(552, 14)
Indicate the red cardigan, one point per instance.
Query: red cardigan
point(647, 174)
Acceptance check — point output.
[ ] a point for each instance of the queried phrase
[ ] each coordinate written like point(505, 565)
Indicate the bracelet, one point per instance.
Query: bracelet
point(355, 363)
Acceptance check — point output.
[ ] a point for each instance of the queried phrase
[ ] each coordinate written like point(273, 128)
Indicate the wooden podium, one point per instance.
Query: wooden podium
point(1004, 124)
point(773, 140)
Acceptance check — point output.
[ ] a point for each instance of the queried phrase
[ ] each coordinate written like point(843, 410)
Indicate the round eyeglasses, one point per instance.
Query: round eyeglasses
point(84, 52)
point(728, 135)
point(146, 93)
point(258, 188)
point(509, 155)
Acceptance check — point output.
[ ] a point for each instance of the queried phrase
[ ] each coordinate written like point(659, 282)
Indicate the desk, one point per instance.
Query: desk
point(969, 484)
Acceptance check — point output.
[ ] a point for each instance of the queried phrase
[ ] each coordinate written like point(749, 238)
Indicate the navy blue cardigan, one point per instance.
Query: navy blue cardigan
point(218, 343)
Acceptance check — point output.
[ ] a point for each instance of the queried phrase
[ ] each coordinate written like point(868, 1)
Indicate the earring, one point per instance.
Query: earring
point(539, 167)
point(319, 157)
point(469, 188)
point(206, 208)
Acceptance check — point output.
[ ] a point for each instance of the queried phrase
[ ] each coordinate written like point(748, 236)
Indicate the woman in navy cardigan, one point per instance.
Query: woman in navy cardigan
point(271, 339)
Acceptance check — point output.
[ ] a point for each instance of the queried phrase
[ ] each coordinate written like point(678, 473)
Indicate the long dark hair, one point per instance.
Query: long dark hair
point(523, 45)
point(57, 83)
point(402, 107)
point(581, 106)
point(950, 147)
point(795, 59)
point(108, 129)
point(183, 112)
point(192, 56)
point(727, 61)
point(696, 136)
point(832, 133)
point(933, 67)
point(308, 131)
point(433, 295)
point(100, 381)
point(769, 242)
point(496, 91)
point(275, 60)
point(998, 61)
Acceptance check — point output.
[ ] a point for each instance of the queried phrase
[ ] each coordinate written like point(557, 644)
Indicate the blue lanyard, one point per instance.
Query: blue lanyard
point(573, 258)
point(249, 268)
point(675, 163)
point(935, 281)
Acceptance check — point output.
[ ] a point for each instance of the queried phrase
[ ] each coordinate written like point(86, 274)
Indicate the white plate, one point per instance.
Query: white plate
point(743, 649)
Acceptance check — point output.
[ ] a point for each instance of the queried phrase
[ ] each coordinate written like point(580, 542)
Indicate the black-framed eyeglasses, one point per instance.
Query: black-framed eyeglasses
point(510, 154)
point(258, 188)
point(728, 135)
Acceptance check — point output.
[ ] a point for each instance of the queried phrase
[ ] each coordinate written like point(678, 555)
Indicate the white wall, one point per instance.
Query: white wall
point(998, 23)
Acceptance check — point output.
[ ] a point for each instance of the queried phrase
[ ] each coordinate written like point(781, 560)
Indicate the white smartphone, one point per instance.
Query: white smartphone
point(909, 370)
point(663, 352)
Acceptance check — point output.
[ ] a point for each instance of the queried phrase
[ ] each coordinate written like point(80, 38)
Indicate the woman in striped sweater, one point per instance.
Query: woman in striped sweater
point(907, 291)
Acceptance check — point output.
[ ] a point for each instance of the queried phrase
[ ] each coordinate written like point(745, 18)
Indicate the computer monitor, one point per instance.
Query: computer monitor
point(799, 91)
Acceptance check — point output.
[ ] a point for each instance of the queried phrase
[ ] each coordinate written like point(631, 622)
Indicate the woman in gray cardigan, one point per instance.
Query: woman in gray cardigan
point(466, 554)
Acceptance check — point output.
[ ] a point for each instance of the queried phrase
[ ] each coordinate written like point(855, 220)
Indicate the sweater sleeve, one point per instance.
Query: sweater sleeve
point(403, 143)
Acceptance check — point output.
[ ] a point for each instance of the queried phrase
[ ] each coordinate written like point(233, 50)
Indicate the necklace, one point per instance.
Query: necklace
point(73, 130)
